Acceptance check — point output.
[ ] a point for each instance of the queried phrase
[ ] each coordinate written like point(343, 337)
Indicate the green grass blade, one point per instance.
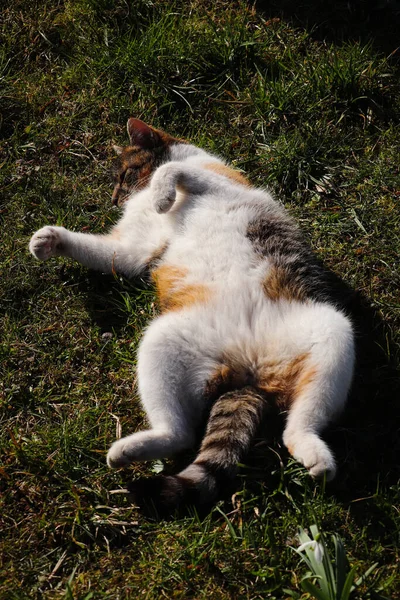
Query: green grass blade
point(228, 523)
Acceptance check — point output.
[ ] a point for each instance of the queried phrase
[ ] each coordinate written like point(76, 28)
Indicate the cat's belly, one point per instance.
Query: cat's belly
point(253, 327)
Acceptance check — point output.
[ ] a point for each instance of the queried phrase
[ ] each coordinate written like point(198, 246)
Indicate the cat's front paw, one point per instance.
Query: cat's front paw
point(46, 242)
point(116, 457)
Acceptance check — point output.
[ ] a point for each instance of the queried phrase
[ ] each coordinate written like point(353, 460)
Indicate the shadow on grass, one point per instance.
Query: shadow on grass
point(344, 20)
point(106, 297)
point(366, 441)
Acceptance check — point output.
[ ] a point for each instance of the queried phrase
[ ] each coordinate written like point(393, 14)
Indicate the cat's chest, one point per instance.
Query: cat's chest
point(212, 224)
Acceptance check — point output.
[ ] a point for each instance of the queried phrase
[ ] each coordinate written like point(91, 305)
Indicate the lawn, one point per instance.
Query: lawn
point(304, 97)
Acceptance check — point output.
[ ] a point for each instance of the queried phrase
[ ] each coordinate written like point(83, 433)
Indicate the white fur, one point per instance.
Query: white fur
point(204, 227)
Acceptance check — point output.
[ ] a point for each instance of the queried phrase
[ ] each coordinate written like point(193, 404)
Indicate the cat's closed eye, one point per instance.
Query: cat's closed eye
point(125, 181)
point(128, 178)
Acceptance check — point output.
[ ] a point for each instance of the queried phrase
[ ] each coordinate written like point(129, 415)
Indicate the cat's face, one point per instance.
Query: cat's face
point(136, 163)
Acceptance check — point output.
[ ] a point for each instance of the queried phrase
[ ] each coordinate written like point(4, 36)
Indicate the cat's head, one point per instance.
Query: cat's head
point(148, 149)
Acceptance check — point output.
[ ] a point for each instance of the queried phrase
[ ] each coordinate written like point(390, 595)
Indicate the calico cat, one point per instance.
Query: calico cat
point(248, 318)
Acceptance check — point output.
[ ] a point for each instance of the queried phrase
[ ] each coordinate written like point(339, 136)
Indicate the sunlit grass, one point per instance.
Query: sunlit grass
point(316, 121)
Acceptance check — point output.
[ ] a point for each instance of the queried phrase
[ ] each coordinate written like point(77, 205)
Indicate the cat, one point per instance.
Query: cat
point(248, 317)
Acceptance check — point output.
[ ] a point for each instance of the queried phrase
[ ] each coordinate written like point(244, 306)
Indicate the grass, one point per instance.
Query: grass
point(305, 105)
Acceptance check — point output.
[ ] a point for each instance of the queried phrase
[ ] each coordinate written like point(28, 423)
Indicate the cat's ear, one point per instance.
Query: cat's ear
point(141, 134)
point(118, 149)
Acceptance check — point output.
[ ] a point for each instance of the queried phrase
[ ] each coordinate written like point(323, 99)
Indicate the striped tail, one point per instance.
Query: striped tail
point(231, 428)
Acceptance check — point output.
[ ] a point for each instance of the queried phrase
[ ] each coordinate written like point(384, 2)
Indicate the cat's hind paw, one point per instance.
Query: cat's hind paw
point(150, 444)
point(163, 187)
point(162, 204)
point(46, 242)
point(314, 454)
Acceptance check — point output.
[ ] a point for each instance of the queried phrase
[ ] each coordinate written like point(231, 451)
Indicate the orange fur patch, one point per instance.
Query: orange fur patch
point(278, 286)
point(156, 255)
point(225, 379)
point(306, 377)
point(232, 174)
point(172, 292)
point(286, 381)
point(282, 382)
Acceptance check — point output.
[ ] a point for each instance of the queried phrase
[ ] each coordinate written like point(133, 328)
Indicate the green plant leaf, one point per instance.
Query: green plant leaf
point(323, 570)
point(329, 582)
point(313, 590)
point(341, 565)
point(346, 591)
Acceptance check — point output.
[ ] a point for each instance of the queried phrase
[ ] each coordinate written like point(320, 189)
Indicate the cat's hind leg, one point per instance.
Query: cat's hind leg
point(175, 176)
point(172, 373)
point(319, 396)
